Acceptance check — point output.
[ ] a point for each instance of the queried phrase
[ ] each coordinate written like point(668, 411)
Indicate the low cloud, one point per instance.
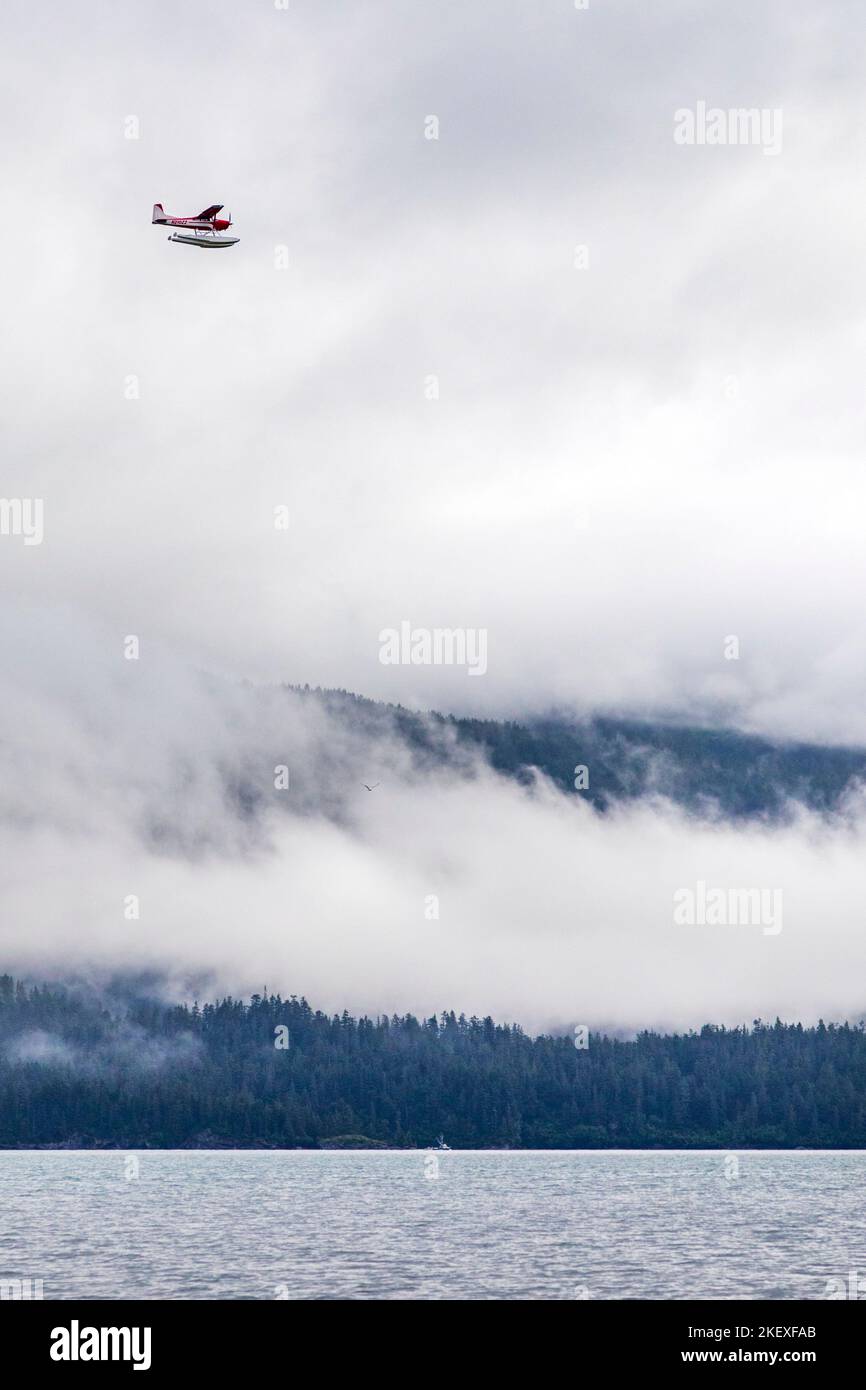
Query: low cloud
point(447, 886)
point(35, 1045)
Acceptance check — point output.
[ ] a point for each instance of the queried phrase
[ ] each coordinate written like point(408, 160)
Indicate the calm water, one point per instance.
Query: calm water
point(264, 1225)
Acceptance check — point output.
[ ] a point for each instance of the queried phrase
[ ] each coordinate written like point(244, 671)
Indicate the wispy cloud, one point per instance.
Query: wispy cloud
point(130, 848)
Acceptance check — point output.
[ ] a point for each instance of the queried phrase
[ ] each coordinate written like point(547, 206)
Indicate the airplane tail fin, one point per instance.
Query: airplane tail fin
point(158, 213)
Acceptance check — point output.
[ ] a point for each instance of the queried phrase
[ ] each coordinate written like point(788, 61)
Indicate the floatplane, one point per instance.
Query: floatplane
point(201, 230)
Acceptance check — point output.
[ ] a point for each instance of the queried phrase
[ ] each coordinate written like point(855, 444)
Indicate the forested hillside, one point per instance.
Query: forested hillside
point(738, 775)
point(120, 1070)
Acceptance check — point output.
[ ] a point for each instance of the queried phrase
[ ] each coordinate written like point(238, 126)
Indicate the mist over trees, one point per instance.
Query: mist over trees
point(79, 1069)
point(739, 776)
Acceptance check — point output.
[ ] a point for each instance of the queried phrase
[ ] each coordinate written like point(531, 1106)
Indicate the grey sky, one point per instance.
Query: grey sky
point(627, 463)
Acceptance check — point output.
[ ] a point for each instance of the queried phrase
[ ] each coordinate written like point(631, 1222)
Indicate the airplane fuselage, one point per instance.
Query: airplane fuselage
point(214, 224)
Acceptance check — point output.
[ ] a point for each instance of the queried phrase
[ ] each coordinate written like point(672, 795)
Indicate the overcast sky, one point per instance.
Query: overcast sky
point(638, 450)
point(626, 463)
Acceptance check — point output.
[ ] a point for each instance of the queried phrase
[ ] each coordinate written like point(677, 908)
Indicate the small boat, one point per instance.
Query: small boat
point(440, 1144)
point(206, 239)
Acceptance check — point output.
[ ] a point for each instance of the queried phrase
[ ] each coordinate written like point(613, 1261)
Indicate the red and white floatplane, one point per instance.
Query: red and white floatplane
point(202, 230)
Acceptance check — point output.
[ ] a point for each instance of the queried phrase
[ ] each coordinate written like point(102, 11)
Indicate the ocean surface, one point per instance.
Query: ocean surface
point(419, 1225)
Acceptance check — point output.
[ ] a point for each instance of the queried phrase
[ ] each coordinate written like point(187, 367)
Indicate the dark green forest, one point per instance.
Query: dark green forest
point(118, 1068)
point(739, 776)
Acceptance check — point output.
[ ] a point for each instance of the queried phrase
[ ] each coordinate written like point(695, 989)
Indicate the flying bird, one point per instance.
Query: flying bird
point(374, 786)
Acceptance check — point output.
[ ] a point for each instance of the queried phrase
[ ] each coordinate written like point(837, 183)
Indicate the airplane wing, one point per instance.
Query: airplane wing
point(209, 212)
